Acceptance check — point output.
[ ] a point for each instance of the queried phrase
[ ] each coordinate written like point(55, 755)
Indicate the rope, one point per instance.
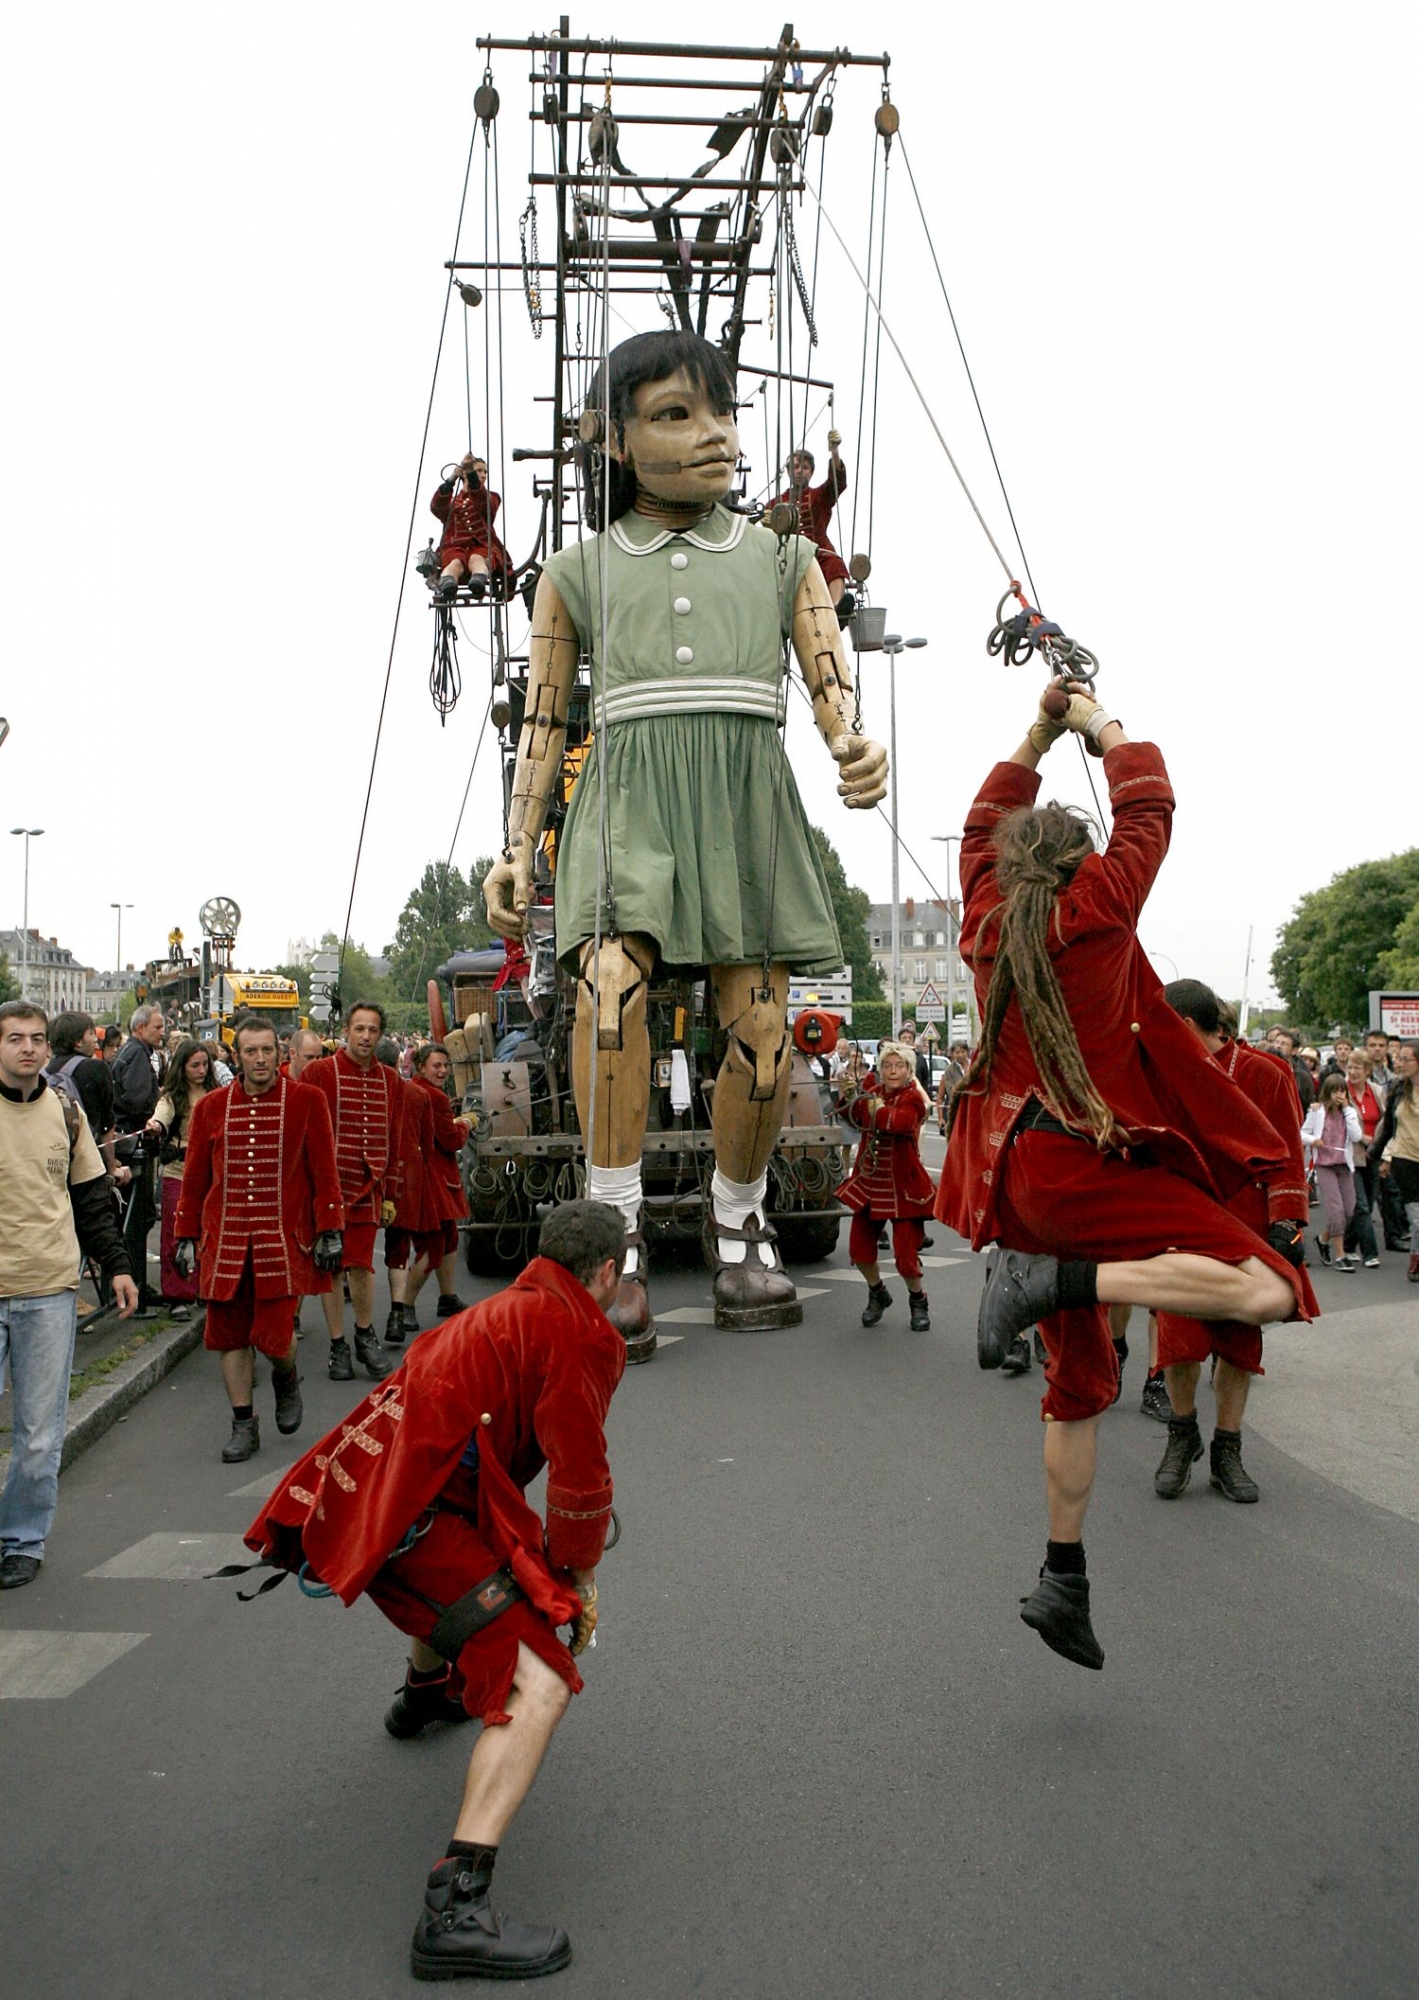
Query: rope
point(866, 323)
point(404, 569)
point(921, 398)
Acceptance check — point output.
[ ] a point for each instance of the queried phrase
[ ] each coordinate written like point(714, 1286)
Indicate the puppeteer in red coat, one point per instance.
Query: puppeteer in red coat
point(446, 1447)
point(1277, 1195)
point(468, 507)
point(259, 1185)
point(366, 1104)
point(1018, 1174)
point(815, 506)
point(888, 1182)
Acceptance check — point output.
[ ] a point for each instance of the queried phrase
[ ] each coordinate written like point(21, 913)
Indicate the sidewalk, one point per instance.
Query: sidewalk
point(115, 1363)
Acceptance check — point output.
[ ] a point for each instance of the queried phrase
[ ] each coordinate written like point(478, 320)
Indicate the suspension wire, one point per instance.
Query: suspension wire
point(866, 323)
point(605, 876)
point(960, 344)
point(921, 398)
point(877, 353)
point(442, 880)
point(404, 570)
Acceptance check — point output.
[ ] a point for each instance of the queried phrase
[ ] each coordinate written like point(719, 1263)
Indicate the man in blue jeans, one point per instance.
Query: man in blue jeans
point(54, 1208)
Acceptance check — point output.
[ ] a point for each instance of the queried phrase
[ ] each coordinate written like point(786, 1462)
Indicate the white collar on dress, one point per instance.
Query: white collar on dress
point(737, 524)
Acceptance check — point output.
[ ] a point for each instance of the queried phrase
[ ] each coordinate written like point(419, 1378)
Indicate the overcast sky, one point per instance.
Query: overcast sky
point(1179, 244)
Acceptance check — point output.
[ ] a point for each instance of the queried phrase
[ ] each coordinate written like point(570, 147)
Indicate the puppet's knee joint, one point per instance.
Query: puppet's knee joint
point(612, 984)
point(759, 1048)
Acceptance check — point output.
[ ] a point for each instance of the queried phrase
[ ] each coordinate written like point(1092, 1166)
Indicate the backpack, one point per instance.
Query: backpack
point(61, 1081)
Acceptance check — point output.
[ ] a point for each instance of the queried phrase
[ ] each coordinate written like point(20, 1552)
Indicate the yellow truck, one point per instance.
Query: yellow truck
point(268, 994)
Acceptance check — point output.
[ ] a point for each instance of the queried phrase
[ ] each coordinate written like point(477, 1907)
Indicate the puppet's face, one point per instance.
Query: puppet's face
point(679, 445)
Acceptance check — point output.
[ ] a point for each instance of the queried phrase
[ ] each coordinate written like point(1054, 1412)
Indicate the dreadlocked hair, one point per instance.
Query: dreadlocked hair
point(1038, 849)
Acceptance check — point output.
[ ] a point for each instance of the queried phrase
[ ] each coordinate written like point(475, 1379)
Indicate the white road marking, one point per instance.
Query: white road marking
point(264, 1483)
point(47, 1666)
point(175, 1558)
point(685, 1316)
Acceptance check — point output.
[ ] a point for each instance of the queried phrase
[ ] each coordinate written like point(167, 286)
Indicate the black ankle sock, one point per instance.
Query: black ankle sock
point(1065, 1558)
point(363, 1329)
point(472, 1850)
point(243, 1410)
point(1121, 1347)
point(1220, 1436)
point(426, 1676)
point(1078, 1285)
point(1155, 1374)
point(280, 1375)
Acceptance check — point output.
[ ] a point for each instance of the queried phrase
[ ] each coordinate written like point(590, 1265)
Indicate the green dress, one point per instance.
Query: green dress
point(708, 848)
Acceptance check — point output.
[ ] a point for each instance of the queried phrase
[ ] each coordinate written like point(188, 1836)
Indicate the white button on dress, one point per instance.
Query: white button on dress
point(682, 605)
point(679, 560)
point(684, 655)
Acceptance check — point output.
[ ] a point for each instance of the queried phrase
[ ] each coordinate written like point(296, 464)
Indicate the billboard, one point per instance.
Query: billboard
point(1397, 1013)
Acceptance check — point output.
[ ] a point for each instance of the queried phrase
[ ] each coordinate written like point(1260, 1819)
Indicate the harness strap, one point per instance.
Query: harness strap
point(472, 1612)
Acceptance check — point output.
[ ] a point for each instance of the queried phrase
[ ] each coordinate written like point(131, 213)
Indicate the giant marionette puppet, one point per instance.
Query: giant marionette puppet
point(699, 854)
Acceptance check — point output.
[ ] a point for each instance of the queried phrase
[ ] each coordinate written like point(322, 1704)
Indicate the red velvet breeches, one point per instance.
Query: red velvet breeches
point(444, 1565)
point(865, 1240)
point(269, 1325)
point(1063, 1197)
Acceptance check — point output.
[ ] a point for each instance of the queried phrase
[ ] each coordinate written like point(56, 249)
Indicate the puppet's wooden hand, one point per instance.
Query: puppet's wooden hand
point(862, 766)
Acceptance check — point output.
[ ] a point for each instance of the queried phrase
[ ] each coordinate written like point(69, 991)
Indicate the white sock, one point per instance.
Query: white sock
point(620, 1188)
point(734, 1202)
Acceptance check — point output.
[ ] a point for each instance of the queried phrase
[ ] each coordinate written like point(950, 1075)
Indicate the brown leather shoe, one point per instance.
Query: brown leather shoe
point(629, 1312)
point(753, 1296)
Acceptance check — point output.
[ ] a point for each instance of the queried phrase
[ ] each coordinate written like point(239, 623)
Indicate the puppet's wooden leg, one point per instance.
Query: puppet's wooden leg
point(750, 1099)
point(612, 1034)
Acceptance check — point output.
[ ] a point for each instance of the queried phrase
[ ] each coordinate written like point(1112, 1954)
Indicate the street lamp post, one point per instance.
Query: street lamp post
point(120, 907)
point(952, 942)
point(893, 644)
point(29, 833)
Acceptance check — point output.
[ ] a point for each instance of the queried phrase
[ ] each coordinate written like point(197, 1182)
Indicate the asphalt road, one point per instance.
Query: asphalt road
point(818, 1754)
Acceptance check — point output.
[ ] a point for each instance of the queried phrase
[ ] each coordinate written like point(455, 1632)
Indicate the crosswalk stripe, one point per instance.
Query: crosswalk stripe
point(47, 1666)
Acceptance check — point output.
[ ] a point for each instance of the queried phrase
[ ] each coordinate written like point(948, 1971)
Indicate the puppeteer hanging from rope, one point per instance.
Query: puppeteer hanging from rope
point(814, 505)
point(686, 843)
point(470, 551)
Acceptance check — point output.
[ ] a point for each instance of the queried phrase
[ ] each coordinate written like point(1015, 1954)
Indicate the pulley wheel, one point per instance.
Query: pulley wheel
point(860, 568)
point(485, 103)
point(782, 518)
point(589, 427)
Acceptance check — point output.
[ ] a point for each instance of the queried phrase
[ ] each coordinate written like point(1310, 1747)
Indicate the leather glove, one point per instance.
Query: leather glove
point(329, 1250)
point(1087, 718)
point(387, 1213)
point(1046, 728)
point(585, 1625)
point(1290, 1239)
point(835, 438)
point(184, 1256)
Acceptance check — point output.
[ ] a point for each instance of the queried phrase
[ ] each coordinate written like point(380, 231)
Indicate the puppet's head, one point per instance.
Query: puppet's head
point(666, 425)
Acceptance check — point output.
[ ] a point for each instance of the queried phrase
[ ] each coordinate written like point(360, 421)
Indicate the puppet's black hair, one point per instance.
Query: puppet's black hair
point(645, 357)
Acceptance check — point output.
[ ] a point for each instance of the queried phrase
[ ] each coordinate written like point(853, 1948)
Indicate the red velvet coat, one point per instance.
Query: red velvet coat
point(445, 1200)
point(815, 511)
point(887, 1176)
point(1150, 1068)
point(260, 1179)
point(414, 1208)
point(468, 525)
point(366, 1107)
point(530, 1372)
point(1279, 1195)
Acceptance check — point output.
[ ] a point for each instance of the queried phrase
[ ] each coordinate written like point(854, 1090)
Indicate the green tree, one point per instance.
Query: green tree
point(1399, 966)
point(444, 914)
point(1344, 939)
point(9, 985)
point(850, 907)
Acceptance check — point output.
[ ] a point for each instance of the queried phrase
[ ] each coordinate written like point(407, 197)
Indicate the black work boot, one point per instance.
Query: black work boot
point(460, 1934)
point(878, 1300)
point(1019, 1289)
point(244, 1441)
point(394, 1327)
point(289, 1408)
point(1058, 1609)
point(449, 1304)
point(1229, 1475)
point(1017, 1361)
point(1155, 1402)
point(341, 1367)
point(921, 1313)
point(421, 1702)
point(1183, 1449)
point(371, 1357)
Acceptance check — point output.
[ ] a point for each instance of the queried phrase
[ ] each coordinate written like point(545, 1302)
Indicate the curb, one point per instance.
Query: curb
point(100, 1408)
